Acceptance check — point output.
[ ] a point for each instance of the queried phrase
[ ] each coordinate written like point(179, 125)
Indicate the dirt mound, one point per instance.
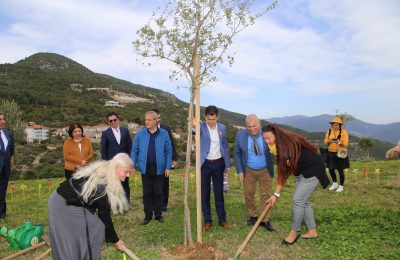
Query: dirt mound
point(196, 252)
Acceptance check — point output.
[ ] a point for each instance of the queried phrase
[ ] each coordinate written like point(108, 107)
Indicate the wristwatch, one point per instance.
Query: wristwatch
point(277, 194)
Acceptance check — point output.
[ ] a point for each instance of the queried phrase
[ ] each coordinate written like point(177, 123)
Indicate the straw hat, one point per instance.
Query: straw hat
point(336, 119)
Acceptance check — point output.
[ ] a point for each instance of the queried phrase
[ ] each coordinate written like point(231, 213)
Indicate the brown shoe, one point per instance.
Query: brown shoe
point(207, 227)
point(225, 225)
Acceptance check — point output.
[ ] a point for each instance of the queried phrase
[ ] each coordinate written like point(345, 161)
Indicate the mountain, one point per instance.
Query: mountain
point(54, 91)
point(386, 132)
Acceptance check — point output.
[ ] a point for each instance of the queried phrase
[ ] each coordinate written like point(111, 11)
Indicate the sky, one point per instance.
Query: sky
point(302, 58)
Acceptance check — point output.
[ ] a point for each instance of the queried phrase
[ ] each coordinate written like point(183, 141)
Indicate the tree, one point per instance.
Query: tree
point(195, 36)
point(14, 121)
point(366, 144)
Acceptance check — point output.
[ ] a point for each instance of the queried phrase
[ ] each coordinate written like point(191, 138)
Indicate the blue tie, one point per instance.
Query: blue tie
point(2, 147)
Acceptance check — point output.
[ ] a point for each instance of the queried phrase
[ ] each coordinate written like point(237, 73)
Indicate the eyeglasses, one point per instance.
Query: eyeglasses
point(113, 120)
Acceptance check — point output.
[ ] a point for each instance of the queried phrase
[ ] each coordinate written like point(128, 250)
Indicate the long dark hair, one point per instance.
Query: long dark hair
point(288, 147)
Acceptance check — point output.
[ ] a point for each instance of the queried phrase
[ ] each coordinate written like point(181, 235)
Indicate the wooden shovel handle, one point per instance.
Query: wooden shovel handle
point(130, 254)
point(252, 231)
point(43, 243)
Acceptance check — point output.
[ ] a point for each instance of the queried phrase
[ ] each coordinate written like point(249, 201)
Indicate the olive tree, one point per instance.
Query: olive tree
point(195, 35)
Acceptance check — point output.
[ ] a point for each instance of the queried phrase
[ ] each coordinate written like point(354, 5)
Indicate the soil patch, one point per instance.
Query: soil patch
point(196, 252)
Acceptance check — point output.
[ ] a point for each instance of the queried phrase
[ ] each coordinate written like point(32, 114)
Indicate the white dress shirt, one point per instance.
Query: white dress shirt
point(4, 138)
point(215, 149)
point(117, 134)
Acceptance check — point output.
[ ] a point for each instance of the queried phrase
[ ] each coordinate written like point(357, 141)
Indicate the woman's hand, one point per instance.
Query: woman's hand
point(120, 245)
point(273, 200)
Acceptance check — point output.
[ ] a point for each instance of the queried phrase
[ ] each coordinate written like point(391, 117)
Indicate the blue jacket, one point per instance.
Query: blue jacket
point(110, 146)
point(241, 153)
point(205, 143)
point(5, 157)
point(163, 151)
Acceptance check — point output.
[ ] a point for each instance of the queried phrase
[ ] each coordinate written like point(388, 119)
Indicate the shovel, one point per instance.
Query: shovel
point(252, 231)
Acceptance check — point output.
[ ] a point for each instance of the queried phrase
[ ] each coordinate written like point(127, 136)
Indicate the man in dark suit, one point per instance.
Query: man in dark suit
point(214, 155)
point(174, 160)
point(116, 139)
point(6, 163)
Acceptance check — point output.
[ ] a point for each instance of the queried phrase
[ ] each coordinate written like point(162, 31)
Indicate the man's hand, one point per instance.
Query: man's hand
point(167, 173)
point(241, 176)
point(227, 170)
point(120, 245)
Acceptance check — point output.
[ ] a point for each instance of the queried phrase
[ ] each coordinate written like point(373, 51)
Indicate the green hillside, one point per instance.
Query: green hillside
point(53, 90)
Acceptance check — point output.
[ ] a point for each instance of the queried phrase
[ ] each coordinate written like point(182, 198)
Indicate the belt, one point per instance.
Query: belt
point(213, 161)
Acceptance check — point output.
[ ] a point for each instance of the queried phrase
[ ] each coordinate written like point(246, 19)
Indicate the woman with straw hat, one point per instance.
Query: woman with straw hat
point(337, 140)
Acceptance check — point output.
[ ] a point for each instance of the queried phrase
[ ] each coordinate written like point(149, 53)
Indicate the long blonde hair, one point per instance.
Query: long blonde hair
point(103, 173)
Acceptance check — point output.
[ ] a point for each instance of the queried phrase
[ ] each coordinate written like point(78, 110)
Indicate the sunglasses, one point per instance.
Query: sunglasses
point(113, 120)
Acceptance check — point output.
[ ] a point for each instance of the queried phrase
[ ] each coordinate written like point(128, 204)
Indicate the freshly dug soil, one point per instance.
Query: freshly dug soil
point(197, 252)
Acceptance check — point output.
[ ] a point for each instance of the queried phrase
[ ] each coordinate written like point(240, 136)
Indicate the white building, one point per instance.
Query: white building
point(36, 133)
point(112, 103)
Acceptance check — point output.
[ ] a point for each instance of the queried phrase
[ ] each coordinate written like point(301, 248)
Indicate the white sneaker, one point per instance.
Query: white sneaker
point(333, 186)
point(340, 189)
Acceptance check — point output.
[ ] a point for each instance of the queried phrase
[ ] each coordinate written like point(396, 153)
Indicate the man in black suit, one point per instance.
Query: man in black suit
point(174, 160)
point(6, 163)
point(116, 139)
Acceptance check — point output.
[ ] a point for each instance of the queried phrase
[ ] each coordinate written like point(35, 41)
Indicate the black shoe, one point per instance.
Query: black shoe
point(160, 219)
point(165, 209)
point(3, 215)
point(252, 221)
point(286, 243)
point(267, 225)
point(145, 221)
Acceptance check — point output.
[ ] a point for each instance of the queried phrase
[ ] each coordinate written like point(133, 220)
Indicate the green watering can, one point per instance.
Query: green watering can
point(24, 236)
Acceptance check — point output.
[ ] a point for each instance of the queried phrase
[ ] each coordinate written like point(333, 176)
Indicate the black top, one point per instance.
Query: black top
point(310, 165)
point(151, 150)
point(97, 202)
point(166, 128)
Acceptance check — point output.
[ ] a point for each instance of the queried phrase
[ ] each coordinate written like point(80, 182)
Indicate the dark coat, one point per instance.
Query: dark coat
point(110, 146)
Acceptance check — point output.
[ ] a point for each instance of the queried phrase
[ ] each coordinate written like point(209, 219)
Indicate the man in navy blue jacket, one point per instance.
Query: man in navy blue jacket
point(174, 160)
point(152, 155)
point(116, 139)
point(6, 163)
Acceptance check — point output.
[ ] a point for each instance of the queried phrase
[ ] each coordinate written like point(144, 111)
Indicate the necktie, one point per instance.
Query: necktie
point(255, 146)
point(2, 147)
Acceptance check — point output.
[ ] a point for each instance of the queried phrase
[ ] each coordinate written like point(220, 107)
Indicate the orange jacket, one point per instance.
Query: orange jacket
point(73, 156)
point(344, 140)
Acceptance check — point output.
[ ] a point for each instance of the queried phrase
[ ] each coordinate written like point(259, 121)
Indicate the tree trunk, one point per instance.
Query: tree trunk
point(198, 170)
point(187, 226)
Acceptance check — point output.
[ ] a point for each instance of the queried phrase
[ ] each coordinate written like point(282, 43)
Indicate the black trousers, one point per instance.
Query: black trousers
point(165, 192)
point(152, 191)
point(127, 189)
point(3, 190)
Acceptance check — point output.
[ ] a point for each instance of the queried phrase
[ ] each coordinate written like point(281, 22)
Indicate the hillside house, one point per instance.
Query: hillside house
point(36, 133)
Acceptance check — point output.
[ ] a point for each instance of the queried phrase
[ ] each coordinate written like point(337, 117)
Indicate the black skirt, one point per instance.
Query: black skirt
point(336, 163)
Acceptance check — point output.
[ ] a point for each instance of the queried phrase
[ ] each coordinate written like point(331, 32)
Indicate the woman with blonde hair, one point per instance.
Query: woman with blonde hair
point(337, 140)
point(76, 231)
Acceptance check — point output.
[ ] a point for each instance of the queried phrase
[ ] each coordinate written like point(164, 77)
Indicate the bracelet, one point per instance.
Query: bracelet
point(277, 194)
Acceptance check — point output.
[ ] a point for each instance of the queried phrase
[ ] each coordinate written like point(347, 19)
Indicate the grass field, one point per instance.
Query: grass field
point(363, 222)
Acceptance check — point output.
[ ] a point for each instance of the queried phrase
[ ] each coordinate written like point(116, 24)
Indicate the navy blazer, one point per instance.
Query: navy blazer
point(5, 157)
point(166, 128)
point(205, 143)
point(110, 146)
point(241, 153)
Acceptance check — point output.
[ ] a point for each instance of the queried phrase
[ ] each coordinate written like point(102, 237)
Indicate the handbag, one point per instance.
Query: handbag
point(342, 153)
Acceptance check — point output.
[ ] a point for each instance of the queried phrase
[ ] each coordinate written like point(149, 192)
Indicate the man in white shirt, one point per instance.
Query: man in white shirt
point(6, 163)
point(214, 153)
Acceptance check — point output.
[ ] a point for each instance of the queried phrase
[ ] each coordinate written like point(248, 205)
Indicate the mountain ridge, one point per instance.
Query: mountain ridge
point(386, 132)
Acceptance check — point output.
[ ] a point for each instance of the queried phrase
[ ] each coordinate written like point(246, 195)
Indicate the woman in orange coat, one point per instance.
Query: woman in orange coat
point(337, 140)
point(78, 150)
